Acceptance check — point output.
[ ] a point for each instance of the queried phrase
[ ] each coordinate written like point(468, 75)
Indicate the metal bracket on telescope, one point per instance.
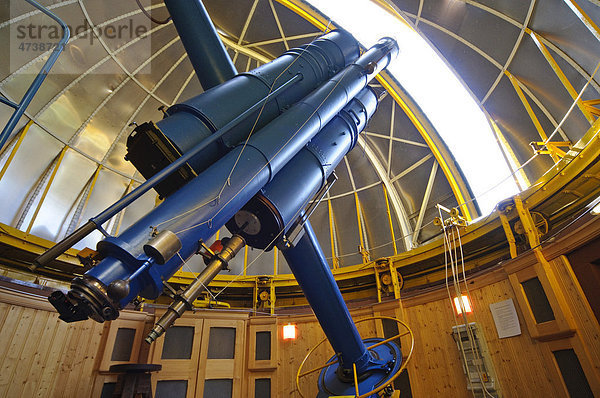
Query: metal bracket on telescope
point(296, 231)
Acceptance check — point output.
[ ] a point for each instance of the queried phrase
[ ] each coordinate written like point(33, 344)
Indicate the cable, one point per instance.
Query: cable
point(146, 13)
point(453, 252)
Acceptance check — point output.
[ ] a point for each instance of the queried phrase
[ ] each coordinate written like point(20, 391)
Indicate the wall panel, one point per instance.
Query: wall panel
point(41, 356)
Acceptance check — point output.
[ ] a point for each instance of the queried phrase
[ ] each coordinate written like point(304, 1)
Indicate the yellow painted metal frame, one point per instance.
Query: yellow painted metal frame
point(560, 74)
point(510, 237)
point(15, 148)
point(576, 160)
point(587, 21)
point(530, 112)
point(389, 214)
point(127, 190)
point(362, 249)
point(519, 176)
point(590, 106)
point(334, 258)
point(57, 163)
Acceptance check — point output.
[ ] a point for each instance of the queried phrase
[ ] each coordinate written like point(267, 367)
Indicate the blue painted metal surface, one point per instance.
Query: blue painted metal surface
point(39, 79)
point(202, 206)
point(313, 135)
point(201, 41)
point(390, 360)
point(197, 118)
point(197, 127)
point(307, 262)
point(280, 202)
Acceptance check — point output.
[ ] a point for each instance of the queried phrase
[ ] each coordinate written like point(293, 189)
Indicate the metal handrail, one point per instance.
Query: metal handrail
point(39, 79)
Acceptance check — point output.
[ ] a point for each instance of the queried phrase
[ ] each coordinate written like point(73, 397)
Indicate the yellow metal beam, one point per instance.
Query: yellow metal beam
point(272, 296)
point(396, 277)
point(587, 21)
point(92, 186)
point(560, 74)
point(518, 173)
point(15, 148)
point(245, 259)
point(510, 237)
point(363, 252)
point(334, 258)
point(389, 214)
point(120, 215)
point(527, 105)
point(590, 106)
point(377, 282)
point(434, 142)
point(552, 148)
point(47, 188)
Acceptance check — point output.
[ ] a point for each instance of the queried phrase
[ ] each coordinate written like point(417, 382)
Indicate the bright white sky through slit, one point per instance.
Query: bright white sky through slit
point(439, 93)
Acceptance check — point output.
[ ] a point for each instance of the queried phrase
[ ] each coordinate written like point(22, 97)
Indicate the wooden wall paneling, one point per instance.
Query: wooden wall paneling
point(16, 345)
point(587, 339)
point(574, 344)
point(563, 324)
point(436, 362)
point(292, 352)
point(180, 369)
point(394, 309)
point(4, 308)
point(222, 368)
point(113, 328)
point(53, 358)
point(368, 328)
point(76, 336)
point(256, 325)
point(99, 382)
point(262, 375)
point(89, 362)
point(520, 361)
point(40, 356)
point(28, 353)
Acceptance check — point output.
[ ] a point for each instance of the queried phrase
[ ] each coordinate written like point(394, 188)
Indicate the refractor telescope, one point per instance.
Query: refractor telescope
point(251, 153)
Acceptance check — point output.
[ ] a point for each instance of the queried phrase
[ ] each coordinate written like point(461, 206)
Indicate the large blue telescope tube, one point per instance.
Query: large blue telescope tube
point(198, 209)
point(275, 208)
point(305, 172)
point(151, 146)
point(204, 128)
point(274, 211)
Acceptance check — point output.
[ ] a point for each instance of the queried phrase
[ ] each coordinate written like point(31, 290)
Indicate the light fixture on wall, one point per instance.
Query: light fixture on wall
point(465, 303)
point(289, 332)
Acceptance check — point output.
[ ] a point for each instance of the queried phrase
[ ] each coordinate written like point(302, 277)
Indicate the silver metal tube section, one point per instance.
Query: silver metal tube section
point(184, 301)
point(201, 41)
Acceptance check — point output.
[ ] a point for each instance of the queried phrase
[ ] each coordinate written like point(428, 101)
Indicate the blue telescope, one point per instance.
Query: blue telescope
point(251, 153)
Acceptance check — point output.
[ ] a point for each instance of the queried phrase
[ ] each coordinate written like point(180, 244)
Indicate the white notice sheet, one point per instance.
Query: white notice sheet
point(505, 318)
